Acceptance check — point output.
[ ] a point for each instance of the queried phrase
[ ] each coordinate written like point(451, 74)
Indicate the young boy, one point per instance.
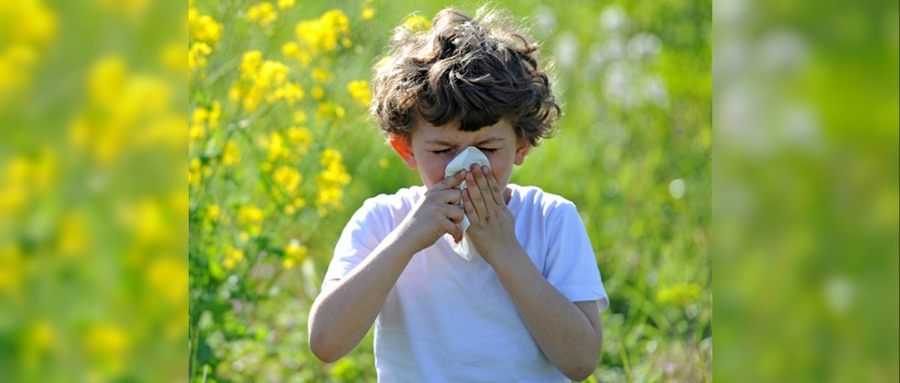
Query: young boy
point(525, 308)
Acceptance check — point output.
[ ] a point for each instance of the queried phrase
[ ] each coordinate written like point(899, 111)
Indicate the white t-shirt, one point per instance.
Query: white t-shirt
point(450, 320)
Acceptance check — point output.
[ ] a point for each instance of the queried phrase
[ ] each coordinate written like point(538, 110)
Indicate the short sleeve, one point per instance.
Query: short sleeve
point(570, 263)
point(366, 229)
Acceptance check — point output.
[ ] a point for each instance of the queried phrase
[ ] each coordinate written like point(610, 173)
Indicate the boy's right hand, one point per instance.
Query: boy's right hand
point(437, 214)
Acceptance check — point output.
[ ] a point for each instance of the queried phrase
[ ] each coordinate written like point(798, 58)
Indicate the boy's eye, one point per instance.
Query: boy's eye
point(443, 151)
point(488, 150)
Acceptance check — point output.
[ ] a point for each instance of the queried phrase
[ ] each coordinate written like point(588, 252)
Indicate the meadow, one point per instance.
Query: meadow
point(282, 152)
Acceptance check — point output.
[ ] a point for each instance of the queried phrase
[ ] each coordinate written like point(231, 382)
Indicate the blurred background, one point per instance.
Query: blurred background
point(105, 103)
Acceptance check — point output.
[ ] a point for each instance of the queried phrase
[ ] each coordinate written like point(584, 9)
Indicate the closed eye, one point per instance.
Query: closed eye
point(444, 151)
point(487, 150)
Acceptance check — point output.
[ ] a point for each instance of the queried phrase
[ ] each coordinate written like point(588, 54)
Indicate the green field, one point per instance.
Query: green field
point(282, 152)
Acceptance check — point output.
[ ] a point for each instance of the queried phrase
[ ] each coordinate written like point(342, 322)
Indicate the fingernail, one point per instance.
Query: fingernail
point(485, 169)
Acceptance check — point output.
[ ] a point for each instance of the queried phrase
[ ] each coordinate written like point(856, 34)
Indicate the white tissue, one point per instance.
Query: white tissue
point(463, 161)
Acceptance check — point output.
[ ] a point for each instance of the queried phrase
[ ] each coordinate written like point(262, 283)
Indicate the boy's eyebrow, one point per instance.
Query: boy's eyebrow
point(482, 142)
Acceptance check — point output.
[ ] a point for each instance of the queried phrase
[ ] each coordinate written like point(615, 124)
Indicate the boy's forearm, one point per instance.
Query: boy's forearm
point(562, 331)
point(343, 313)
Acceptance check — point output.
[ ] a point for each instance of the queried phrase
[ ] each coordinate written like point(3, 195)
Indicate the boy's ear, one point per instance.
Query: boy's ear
point(402, 147)
point(522, 149)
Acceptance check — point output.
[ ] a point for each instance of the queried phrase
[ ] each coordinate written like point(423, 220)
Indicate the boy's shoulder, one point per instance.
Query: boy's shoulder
point(535, 197)
point(398, 202)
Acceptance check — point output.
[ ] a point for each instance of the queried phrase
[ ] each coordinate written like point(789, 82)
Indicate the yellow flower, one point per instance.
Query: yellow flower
point(329, 110)
point(287, 178)
point(300, 138)
point(232, 258)
point(318, 93)
point(197, 55)
point(330, 181)
point(249, 215)
point(73, 236)
point(323, 34)
point(231, 155)
point(321, 75)
point(294, 253)
point(416, 23)
point(212, 212)
point(359, 91)
point(285, 4)
point(289, 92)
point(203, 27)
point(172, 58)
point(300, 117)
point(262, 13)
point(107, 342)
point(368, 13)
point(276, 147)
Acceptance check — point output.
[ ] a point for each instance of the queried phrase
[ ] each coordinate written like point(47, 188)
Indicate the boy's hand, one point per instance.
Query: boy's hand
point(492, 229)
point(438, 214)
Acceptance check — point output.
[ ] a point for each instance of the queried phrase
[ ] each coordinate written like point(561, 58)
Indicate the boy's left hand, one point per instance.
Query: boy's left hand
point(492, 225)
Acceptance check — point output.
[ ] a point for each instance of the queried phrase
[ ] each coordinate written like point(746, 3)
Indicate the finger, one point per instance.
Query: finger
point(448, 196)
point(452, 181)
point(470, 209)
point(454, 213)
point(495, 190)
point(477, 201)
point(485, 191)
point(454, 230)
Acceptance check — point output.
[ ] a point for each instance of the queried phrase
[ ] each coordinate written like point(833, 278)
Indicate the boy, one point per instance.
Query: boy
point(525, 308)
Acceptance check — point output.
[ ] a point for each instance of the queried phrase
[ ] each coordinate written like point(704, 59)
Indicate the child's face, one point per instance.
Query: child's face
point(433, 147)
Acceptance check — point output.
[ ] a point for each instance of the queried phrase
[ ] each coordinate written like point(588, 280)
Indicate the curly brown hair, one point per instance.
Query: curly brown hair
point(474, 71)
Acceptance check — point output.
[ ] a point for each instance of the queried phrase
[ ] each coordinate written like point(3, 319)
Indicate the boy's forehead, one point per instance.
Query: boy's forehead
point(451, 131)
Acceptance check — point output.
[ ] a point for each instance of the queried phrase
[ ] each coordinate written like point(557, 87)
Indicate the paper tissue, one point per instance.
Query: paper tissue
point(463, 161)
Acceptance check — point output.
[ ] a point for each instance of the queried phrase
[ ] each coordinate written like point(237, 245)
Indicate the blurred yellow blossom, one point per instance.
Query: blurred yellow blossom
point(368, 13)
point(172, 57)
point(360, 92)
point(383, 163)
point(232, 257)
point(275, 146)
point(231, 154)
point(16, 63)
point(203, 27)
point(300, 138)
point(285, 4)
point(321, 75)
point(330, 181)
point(28, 22)
point(317, 93)
point(329, 111)
point(261, 80)
point(197, 55)
point(212, 212)
point(300, 117)
point(263, 13)
point(108, 344)
point(294, 253)
point(292, 50)
point(74, 238)
point(249, 215)
point(325, 33)
point(169, 278)
point(12, 270)
point(287, 178)
point(416, 23)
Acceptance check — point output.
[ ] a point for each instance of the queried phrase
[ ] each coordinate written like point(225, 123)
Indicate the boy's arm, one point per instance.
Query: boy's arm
point(568, 333)
point(346, 308)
